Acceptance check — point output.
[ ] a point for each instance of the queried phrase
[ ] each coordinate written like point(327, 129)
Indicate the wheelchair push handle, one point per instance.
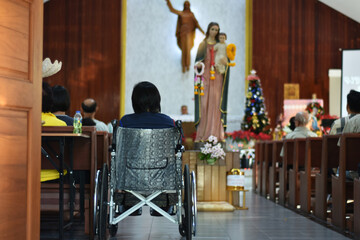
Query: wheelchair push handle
point(178, 125)
point(114, 124)
point(179, 146)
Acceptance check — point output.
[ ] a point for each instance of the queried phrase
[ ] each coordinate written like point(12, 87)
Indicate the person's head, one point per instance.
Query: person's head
point(145, 98)
point(292, 123)
point(186, 5)
point(47, 98)
point(89, 107)
point(213, 30)
point(222, 37)
point(61, 99)
point(301, 119)
point(184, 110)
point(353, 101)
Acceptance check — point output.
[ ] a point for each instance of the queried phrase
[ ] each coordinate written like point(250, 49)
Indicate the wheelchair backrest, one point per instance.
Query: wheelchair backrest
point(145, 159)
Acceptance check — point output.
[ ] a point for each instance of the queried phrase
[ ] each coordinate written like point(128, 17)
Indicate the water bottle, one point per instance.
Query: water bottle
point(77, 122)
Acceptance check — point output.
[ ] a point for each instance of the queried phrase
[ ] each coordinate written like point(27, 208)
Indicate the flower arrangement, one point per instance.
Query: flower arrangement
point(199, 79)
point(316, 109)
point(212, 151)
point(231, 52)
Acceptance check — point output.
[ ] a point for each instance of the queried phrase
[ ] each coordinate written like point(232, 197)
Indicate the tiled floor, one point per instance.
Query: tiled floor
point(264, 220)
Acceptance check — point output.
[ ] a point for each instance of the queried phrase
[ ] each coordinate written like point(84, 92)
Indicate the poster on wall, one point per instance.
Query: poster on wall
point(350, 77)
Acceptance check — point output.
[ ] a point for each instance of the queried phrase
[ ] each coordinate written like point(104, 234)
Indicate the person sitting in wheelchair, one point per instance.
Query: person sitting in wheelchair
point(147, 115)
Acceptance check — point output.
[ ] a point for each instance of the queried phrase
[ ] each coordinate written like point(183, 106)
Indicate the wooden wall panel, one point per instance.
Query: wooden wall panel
point(298, 42)
point(85, 36)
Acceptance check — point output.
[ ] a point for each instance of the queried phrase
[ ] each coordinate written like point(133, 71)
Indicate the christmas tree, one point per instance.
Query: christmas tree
point(255, 119)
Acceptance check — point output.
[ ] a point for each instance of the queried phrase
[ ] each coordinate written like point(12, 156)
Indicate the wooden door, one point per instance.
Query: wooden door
point(20, 117)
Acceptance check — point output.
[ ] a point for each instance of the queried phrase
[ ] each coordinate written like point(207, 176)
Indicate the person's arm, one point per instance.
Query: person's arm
point(172, 9)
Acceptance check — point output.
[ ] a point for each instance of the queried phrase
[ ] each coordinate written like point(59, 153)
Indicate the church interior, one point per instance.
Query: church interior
point(259, 99)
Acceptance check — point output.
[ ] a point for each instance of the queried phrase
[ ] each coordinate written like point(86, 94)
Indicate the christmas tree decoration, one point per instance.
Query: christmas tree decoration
point(256, 119)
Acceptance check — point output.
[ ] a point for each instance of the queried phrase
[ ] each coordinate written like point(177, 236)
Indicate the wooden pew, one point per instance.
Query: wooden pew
point(288, 158)
point(265, 167)
point(259, 164)
point(102, 141)
point(84, 158)
point(255, 166)
point(307, 178)
point(298, 162)
point(357, 208)
point(274, 168)
point(342, 189)
point(329, 159)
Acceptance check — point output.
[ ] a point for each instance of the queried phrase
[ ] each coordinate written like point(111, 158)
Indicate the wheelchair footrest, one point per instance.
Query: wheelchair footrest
point(128, 200)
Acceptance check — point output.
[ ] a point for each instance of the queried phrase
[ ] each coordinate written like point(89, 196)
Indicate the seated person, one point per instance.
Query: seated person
point(61, 104)
point(352, 107)
point(47, 117)
point(90, 107)
point(352, 125)
point(300, 131)
point(146, 104)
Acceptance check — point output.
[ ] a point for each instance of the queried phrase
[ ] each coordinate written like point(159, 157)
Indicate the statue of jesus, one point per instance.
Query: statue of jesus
point(185, 32)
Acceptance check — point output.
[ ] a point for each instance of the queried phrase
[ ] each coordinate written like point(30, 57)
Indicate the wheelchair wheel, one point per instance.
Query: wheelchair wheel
point(97, 201)
point(102, 224)
point(186, 228)
point(194, 207)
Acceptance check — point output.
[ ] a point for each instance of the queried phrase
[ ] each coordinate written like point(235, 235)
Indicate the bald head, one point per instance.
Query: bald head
point(301, 118)
point(89, 107)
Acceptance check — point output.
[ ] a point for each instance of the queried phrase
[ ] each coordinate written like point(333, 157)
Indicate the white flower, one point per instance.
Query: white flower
point(212, 149)
point(213, 139)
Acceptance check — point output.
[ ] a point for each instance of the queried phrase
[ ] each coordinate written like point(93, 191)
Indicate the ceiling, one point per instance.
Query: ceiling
point(350, 8)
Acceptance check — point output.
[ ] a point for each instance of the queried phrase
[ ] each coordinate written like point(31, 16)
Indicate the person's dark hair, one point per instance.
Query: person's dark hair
point(47, 98)
point(292, 123)
point(224, 34)
point(61, 99)
point(208, 30)
point(145, 98)
point(353, 101)
point(89, 108)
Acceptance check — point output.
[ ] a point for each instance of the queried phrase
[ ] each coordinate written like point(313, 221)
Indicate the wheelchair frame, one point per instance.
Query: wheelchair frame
point(186, 216)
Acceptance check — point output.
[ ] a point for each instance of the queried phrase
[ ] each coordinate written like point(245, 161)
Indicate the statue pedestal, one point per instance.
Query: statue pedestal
point(211, 179)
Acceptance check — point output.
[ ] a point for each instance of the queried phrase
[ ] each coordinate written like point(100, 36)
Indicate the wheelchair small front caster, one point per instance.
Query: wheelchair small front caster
point(113, 230)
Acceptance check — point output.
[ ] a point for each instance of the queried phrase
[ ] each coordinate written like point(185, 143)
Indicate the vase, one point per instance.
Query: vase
point(211, 161)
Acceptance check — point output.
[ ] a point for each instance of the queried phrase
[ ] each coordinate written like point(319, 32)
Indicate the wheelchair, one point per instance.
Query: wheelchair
point(145, 164)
